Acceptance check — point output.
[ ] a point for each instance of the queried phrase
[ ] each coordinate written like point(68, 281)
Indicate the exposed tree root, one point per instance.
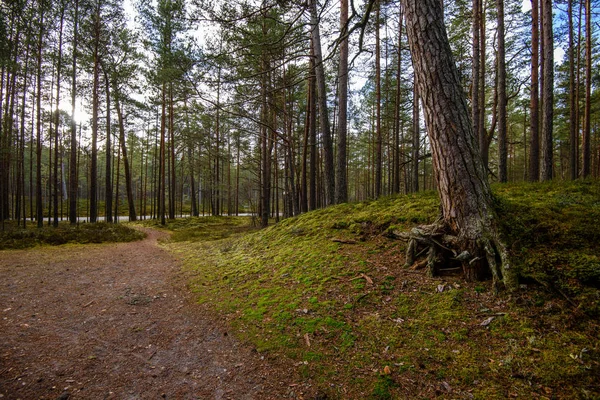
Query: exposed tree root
point(444, 251)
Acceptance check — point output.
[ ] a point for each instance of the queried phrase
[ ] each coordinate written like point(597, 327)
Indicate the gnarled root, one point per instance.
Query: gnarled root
point(444, 251)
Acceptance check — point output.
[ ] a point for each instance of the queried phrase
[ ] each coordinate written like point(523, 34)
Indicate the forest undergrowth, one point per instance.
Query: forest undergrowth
point(328, 289)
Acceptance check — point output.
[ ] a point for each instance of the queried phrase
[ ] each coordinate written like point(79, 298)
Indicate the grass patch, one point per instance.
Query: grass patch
point(328, 290)
point(18, 238)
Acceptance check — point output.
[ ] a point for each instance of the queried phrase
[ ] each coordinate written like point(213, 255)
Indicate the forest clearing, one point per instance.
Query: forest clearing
point(319, 306)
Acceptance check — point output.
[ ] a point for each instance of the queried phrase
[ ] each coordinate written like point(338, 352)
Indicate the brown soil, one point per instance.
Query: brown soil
point(115, 321)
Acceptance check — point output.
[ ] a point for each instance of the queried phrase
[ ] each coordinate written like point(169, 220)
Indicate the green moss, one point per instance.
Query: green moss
point(290, 283)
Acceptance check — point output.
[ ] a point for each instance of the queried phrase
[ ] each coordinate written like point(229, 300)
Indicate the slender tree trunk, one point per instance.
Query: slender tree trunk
point(21, 185)
point(117, 184)
point(95, 106)
point(172, 169)
point(586, 145)
point(126, 164)
point(305, 146)
point(484, 138)
point(329, 177)
point(265, 165)
point(396, 184)
point(108, 195)
point(476, 70)
point(572, 98)
point(73, 179)
point(341, 184)
point(534, 147)
point(502, 99)
point(378, 134)
point(162, 167)
point(416, 138)
point(39, 211)
point(312, 203)
point(548, 94)
point(57, 120)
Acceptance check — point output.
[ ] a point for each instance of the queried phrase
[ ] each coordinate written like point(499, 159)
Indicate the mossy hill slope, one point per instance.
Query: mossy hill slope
point(328, 289)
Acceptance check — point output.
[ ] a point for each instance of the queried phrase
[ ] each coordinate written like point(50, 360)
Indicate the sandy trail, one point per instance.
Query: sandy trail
point(115, 321)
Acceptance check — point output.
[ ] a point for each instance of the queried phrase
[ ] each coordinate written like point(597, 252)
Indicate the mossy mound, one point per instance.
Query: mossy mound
point(18, 238)
point(202, 228)
point(328, 290)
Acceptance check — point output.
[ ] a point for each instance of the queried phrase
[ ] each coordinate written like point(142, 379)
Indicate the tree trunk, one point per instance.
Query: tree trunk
point(378, 139)
point(341, 185)
point(548, 94)
point(312, 203)
point(73, 179)
point(323, 112)
point(95, 106)
point(534, 148)
point(465, 194)
point(416, 138)
point(126, 166)
point(172, 170)
point(502, 100)
point(264, 147)
point(39, 211)
point(586, 145)
point(108, 191)
point(572, 97)
point(304, 171)
point(162, 166)
point(396, 184)
point(476, 69)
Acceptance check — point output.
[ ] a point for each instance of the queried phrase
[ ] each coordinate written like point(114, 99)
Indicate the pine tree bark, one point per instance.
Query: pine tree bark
point(341, 185)
point(396, 184)
point(57, 116)
point(39, 210)
point(73, 179)
point(312, 83)
point(126, 163)
point(476, 69)
point(548, 94)
point(161, 158)
point(108, 190)
point(586, 153)
point(416, 136)
point(329, 172)
point(502, 99)
point(95, 105)
point(172, 170)
point(378, 138)
point(572, 98)
point(534, 147)
point(465, 194)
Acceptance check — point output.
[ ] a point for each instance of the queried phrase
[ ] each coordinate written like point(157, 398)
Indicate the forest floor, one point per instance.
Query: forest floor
point(116, 321)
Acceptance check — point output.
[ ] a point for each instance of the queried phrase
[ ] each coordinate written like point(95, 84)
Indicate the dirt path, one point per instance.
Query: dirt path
point(114, 321)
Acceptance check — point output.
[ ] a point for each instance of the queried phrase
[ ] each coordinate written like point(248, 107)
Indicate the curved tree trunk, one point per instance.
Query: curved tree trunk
point(468, 218)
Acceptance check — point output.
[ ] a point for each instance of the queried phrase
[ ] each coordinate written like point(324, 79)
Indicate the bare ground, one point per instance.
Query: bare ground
point(115, 321)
